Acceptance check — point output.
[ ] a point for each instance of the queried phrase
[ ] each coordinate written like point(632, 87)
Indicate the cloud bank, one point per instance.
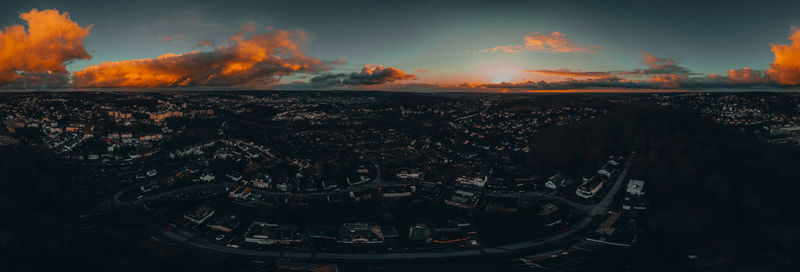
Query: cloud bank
point(249, 59)
point(661, 73)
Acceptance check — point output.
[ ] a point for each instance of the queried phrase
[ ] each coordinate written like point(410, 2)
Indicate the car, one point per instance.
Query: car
point(220, 237)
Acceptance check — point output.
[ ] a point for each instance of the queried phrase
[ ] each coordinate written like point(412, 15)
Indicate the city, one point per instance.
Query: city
point(399, 136)
point(320, 178)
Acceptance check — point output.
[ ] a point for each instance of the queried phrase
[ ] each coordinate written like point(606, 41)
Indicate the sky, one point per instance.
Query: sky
point(403, 45)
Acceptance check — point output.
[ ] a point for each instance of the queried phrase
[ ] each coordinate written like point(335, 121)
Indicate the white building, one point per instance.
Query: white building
point(406, 173)
point(590, 187)
point(476, 181)
point(635, 187)
point(207, 177)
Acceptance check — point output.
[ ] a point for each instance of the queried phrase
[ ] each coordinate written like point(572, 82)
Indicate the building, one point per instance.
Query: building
point(234, 176)
point(463, 199)
point(261, 183)
point(558, 181)
point(408, 173)
point(590, 187)
point(358, 233)
point(199, 215)
point(240, 193)
point(608, 169)
point(356, 180)
point(635, 187)
point(207, 176)
point(361, 195)
point(264, 233)
point(473, 181)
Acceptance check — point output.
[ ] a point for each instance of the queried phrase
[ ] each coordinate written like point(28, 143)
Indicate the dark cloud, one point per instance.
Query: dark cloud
point(369, 75)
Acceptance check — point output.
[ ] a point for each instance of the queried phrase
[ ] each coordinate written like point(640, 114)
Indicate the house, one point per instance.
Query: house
point(608, 169)
point(207, 176)
point(408, 173)
point(362, 169)
point(240, 193)
point(356, 180)
point(261, 183)
point(358, 233)
point(264, 233)
point(234, 176)
point(472, 181)
point(199, 215)
point(282, 186)
point(463, 199)
point(635, 187)
point(558, 181)
point(590, 187)
point(361, 195)
point(604, 172)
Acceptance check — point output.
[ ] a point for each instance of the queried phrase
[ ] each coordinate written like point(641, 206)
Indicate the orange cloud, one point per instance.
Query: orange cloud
point(555, 42)
point(669, 80)
point(746, 75)
point(39, 52)
point(249, 59)
point(785, 69)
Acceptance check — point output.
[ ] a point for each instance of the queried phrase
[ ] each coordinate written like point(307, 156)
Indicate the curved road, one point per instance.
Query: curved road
point(578, 228)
